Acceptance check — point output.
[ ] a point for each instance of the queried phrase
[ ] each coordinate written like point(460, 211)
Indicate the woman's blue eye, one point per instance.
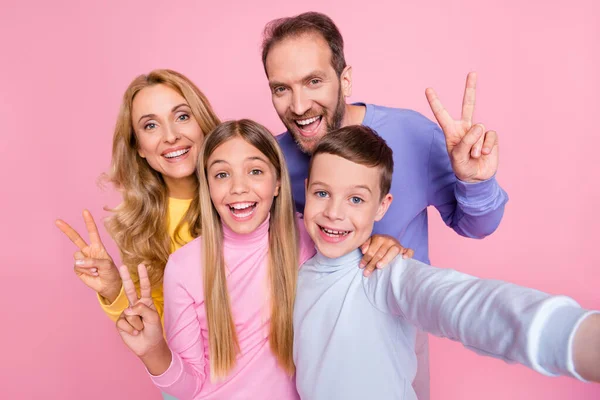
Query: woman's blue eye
point(221, 175)
point(183, 117)
point(321, 193)
point(151, 125)
point(356, 200)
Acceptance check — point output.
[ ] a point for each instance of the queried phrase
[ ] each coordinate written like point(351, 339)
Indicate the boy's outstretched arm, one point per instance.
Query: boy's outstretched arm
point(550, 334)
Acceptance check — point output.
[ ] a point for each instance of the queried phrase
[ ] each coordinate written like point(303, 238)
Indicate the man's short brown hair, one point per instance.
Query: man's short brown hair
point(306, 23)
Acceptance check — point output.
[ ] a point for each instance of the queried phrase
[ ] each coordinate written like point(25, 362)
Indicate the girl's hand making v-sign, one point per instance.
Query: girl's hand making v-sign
point(147, 343)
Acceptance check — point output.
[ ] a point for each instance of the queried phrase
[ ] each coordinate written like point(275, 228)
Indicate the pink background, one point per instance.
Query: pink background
point(65, 66)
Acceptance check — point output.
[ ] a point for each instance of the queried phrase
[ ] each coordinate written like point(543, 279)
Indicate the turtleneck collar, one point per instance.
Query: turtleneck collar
point(350, 260)
point(237, 240)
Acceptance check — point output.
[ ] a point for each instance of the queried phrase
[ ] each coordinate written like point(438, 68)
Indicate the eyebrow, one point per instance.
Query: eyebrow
point(314, 73)
point(353, 187)
point(172, 110)
point(253, 158)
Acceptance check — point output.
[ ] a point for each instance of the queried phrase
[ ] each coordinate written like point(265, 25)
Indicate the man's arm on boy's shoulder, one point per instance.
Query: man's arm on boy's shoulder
point(473, 210)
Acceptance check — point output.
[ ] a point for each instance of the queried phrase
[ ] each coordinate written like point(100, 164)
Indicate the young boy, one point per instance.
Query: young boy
point(336, 307)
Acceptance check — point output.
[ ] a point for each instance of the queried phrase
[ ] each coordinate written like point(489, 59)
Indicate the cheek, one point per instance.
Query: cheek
point(280, 104)
point(197, 137)
point(215, 190)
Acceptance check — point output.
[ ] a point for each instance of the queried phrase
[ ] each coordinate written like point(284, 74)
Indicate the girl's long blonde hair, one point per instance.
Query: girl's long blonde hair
point(283, 255)
point(139, 224)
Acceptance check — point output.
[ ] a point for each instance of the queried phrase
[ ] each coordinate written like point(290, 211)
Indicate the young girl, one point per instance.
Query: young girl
point(229, 294)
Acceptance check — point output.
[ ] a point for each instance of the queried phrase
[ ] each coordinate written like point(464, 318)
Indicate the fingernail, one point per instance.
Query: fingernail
point(478, 130)
point(135, 332)
point(486, 150)
point(361, 265)
point(79, 263)
point(379, 265)
point(367, 273)
point(94, 270)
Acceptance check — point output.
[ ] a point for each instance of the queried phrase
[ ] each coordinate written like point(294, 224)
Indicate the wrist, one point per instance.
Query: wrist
point(158, 359)
point(586, 349)
point(110, 295)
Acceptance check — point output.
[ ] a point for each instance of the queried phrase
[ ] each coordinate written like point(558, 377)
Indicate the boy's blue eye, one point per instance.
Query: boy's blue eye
point(321, 193)
point(356, 200)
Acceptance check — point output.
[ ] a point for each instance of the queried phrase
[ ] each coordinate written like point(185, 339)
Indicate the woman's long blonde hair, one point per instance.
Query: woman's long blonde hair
point(283, 255)
point(139, 224)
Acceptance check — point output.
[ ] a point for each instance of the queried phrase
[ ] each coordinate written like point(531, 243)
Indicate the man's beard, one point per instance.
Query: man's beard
point(306, 144)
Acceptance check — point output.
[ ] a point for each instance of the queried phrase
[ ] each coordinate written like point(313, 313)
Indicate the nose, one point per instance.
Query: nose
point(170, 134)
point(301, 103)
point(334, 210)
point(238, 184)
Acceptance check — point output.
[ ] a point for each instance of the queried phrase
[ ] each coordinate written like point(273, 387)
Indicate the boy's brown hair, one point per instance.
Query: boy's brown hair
point(361, 145)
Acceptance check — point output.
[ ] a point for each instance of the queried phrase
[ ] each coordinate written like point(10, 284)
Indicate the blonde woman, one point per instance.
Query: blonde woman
point(230, 293)
point(160, 128)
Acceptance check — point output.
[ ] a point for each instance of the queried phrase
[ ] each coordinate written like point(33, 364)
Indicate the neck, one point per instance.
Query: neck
point(181, 188)
point(354, 115)
point(247, 240)
point(345, 261)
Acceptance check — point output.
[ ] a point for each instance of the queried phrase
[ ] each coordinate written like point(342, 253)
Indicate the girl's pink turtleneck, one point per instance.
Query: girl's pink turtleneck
point(256, 374)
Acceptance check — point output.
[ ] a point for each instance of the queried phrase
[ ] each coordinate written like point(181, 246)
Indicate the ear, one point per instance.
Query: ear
point(306, 184)
point(383, 206)
point(346, 81)
point(277, 186)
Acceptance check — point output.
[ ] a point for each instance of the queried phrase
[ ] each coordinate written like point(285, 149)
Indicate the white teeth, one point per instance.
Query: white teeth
point(177, 153)
point(241, 206)
point(331, 232)
point(307, 121)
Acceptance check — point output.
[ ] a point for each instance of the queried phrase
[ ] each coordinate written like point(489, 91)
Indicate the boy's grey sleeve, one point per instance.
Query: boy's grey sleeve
point(491, 317)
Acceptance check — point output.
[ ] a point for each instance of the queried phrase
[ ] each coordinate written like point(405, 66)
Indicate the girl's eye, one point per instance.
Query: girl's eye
point(321, 193)
point(221, 175)
point(150, 125)
point(256, 172)
point(356, 200)
point(183, 117)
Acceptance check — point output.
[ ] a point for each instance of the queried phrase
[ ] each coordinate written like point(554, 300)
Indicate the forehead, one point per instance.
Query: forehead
point(235, 150)
point(341, 174)
point(156, 99)
point(295, 57)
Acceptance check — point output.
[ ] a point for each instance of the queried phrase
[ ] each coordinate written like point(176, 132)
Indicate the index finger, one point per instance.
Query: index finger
point(91, 228)
point(468, 106)
point(145, 287)
point(441, 115)
point(71, 234)
point(128, 285)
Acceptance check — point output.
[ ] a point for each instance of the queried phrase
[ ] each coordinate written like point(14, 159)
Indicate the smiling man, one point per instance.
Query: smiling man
point(452, 168)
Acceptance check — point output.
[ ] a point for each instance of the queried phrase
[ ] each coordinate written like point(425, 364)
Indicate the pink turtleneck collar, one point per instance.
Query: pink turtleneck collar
point(237, 240)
